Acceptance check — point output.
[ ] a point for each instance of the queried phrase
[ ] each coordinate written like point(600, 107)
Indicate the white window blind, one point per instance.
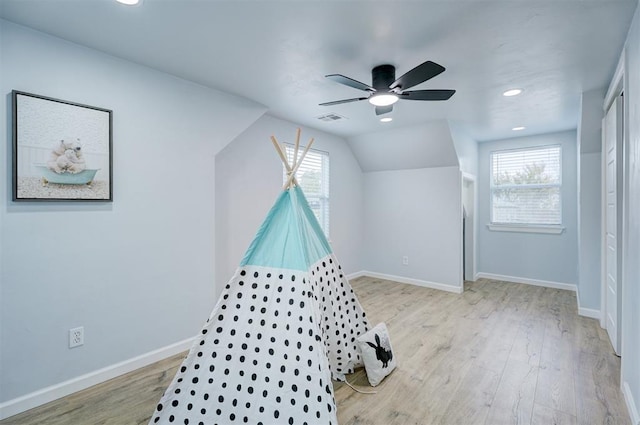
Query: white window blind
point(313, 178)
point(525, 186)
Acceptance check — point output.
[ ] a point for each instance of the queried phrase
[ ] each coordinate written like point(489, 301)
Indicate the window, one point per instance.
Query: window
point(525, 186)
point(313, 178)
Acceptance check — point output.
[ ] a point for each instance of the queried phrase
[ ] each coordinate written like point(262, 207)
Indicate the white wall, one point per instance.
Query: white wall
point(249, 178)
point(137, 273)
point(631, 266)
point(414, 213)
point(547, 257)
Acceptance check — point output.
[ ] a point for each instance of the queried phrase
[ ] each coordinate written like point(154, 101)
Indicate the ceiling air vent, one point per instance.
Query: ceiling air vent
point(331, 117)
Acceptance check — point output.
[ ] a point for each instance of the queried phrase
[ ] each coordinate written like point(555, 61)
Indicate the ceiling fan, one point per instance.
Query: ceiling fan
point(385, 90)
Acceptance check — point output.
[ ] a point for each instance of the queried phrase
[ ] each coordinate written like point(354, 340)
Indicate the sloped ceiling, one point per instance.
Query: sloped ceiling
point(422, 146)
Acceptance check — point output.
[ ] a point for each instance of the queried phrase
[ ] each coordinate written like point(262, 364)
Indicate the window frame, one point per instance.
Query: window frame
point(325, 197)
point(526, 227)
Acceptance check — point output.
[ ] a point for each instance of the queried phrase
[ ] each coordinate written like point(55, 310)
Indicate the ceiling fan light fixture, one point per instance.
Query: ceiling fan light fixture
point(383, 99)
point(512, 92)
point(386, 119)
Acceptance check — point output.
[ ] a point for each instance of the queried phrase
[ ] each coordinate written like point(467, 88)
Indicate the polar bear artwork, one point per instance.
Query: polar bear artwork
point(67, 157)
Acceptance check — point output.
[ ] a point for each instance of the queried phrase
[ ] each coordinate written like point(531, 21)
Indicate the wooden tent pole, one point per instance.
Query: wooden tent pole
point(295, 152)
point(292, 168)
point(293, 172)
point(279, 150)
point(283, 157)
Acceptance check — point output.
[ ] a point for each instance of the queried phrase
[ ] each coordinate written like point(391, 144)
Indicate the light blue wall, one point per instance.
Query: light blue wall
point(537, 256)
point(590, 225)
point(418, 214)
point(466, 148)
point(589, 198)
point(137, 273)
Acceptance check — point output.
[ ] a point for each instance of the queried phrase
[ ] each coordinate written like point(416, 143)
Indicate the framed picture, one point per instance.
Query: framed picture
point(62, 151)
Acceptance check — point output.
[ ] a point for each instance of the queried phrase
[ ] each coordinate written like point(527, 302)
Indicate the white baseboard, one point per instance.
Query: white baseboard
point(582, 311)
point(356, 275)
point(589, 312)
point(45, 395)
point(586, 312)
point(631, 404)
point(417, 282)
point(535, 282)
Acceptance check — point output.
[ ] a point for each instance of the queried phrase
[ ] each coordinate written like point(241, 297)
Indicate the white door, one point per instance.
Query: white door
point(613, 221)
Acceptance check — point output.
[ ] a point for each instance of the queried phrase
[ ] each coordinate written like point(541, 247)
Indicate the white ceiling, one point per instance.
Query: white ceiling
point(277, 52)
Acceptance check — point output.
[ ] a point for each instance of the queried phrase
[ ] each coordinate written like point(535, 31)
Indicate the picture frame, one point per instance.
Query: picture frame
point(62, 151)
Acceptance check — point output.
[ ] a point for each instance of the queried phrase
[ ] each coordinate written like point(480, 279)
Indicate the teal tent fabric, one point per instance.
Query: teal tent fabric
point(290, 237)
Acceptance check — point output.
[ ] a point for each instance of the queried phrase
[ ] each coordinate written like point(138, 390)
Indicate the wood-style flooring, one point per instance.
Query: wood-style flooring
point(500, 353)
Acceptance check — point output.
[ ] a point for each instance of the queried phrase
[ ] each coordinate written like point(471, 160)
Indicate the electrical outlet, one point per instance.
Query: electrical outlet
point(405, 260)
point(76, 337)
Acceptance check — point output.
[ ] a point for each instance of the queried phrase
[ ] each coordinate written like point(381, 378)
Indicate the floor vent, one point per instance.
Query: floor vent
point(331, 117)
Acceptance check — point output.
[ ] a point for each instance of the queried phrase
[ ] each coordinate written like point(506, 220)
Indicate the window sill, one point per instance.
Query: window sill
point(524, 228)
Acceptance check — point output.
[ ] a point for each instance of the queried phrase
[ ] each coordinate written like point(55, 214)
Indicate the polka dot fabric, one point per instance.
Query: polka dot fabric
point(267, 353)
point(343, 319)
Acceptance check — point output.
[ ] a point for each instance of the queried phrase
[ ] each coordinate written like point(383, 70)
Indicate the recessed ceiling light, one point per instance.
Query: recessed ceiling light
point(512, 92)
point(518, 128)
point(129, 2)
point(383, 99)
point(386, 119)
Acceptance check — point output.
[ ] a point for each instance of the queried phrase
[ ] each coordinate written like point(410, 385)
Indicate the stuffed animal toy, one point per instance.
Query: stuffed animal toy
point(72, 161)
point(67, 157)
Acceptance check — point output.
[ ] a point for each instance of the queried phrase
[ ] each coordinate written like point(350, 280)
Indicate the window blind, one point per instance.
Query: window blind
point(313, 178)
point(526, 186)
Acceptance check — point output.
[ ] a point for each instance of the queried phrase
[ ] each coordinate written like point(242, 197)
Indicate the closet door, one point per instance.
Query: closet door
point(613, 220)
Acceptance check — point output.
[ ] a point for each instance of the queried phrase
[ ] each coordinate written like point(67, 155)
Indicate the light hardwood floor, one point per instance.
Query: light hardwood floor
point(500, 353)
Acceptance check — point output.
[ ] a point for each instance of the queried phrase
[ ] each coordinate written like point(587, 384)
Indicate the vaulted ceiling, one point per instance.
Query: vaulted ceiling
point(277, 53)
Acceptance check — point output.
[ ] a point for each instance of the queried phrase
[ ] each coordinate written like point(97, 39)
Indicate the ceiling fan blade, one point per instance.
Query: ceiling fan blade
point(341, 79)
point(337, 102)
point(427, 94)
point(417, 75)
point(381, 110)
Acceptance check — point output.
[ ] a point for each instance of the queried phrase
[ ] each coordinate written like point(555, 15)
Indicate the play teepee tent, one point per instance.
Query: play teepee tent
point(284, 326)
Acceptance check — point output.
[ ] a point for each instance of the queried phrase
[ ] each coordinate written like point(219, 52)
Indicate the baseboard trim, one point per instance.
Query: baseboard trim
point(45, 395)
point(356, 275)
point(589, 312)
point(586, 312)
point(631, 405)
point(535, 282)
point(416, 282)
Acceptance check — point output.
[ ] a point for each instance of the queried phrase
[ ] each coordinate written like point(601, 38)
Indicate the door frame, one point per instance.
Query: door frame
point(616, 88)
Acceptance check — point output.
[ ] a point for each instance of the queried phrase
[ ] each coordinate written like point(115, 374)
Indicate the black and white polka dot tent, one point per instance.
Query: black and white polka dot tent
point(285, 325)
